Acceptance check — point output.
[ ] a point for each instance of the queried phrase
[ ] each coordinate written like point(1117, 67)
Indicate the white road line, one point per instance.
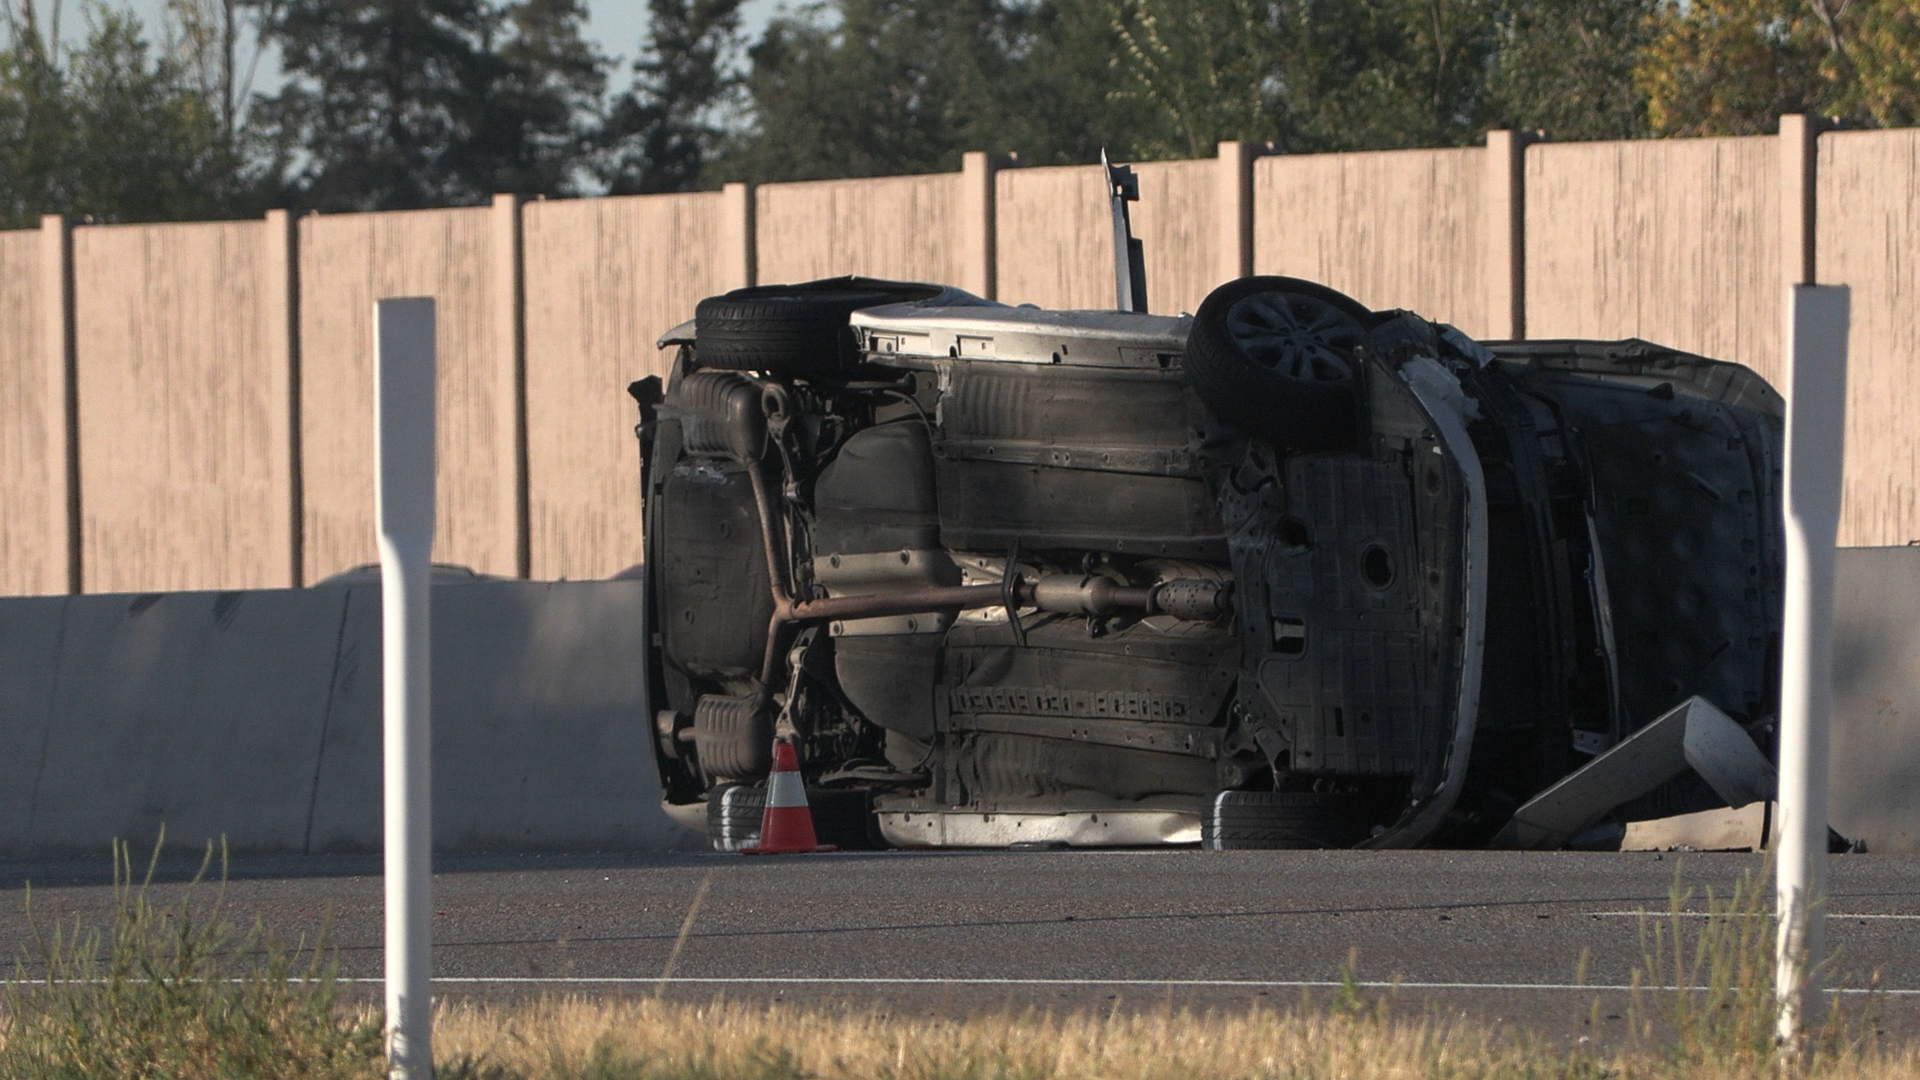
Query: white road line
point(1831, 915)
point(1158, 984)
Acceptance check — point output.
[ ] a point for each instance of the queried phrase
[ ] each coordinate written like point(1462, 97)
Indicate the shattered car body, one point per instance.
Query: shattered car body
point(1287, 572)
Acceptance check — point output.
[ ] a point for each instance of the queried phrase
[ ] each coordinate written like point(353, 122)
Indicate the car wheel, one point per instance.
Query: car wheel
point(1273, 356)
point(798, 330)
point(733, 816)
point(1254, 820)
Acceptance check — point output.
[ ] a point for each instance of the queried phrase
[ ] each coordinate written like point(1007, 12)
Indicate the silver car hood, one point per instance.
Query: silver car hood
point(1022, 335)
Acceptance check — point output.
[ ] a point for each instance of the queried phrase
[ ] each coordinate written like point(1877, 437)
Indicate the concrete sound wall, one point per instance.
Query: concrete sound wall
point(32, 429)
point(902, 227)
point(256, 716)
point(1054, 237)
point(1672, 240)
point(1178, 222)
point(465, 260)
point(183, 408)
point(1054, 234)
point(1395, 229)
point(604, 278)
point(184, 464)
point(1869, 231)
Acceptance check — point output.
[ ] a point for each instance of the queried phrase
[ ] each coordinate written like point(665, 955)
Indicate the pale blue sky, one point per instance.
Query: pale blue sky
point(616, 25)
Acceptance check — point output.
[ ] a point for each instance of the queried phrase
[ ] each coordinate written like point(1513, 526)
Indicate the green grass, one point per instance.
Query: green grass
point(1704, 993)
point(177, 991)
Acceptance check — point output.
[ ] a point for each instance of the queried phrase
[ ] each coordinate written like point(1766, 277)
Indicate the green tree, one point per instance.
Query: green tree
point(544, 111)
point(384, 101)
point(1568, 68)
point(1883, 58)
point(1306, 74)
point(110, 129)
point(215, 44)
point(1207, 68)
point(411, 103)
point(1724, 67)
point(1379, 74)
point(36, 125)
point(1731, 67)
point(661, 133)
point(886, 86)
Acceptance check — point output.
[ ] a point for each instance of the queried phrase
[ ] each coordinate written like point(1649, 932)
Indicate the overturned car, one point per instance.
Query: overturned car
point(1285, 572)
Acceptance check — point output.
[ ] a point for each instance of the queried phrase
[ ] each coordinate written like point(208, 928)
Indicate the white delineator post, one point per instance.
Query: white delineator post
point(1816, 336)
point(404, 362)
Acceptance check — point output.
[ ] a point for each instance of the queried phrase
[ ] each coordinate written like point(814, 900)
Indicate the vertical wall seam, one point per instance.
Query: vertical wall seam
point(326, 719)
point(513, 262)
point(1234, 228)
point(750, 234)
point(63, 391)
point(1799, 198)
point(739, 247)
point(46, 734)
point(1504, 220)
point(990, 223)
point(978, 220)
point(70, 346)
point(1517, 244)
point(974, 218)
point(287, 226)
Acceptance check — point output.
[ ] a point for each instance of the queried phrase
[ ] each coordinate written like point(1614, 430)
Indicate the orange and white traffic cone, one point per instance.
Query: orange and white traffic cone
point(786, 826)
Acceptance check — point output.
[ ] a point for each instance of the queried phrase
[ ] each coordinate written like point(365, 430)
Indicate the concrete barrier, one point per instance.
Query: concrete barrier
point(202, 711)
point(1875, 792)
point(256, 716)
point(30, 638)
point(541, 733)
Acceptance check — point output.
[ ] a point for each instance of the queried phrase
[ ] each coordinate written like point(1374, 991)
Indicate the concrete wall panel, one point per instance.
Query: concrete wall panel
point(901, 227)
point(348, 261)
point(201, 712)
point(1876, 702)
point(1177, 221)
point(1055, 234)
point(1868, 224)
point(30, 640)
point(31, 557)
point(542, 735)
point(257, 716)
point(604, 278)
point(1054, 237)
point(1676, 241)
point(184, 471)
point(1393, 229)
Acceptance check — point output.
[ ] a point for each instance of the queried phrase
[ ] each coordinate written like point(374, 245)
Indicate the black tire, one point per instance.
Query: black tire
point(733, 816)
point(798, 330)
point(1273, 356)
point(841, 817)
point(1277, 820)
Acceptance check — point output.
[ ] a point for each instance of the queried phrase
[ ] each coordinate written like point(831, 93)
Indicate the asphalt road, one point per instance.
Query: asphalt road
point(1493, 934)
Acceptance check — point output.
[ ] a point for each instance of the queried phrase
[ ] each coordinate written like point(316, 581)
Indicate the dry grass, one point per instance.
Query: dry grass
point(177, 993)
point(1703, 1008)
point(579, 1039)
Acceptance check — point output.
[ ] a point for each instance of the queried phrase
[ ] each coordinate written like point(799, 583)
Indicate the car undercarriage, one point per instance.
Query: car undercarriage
point(1287, 572)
